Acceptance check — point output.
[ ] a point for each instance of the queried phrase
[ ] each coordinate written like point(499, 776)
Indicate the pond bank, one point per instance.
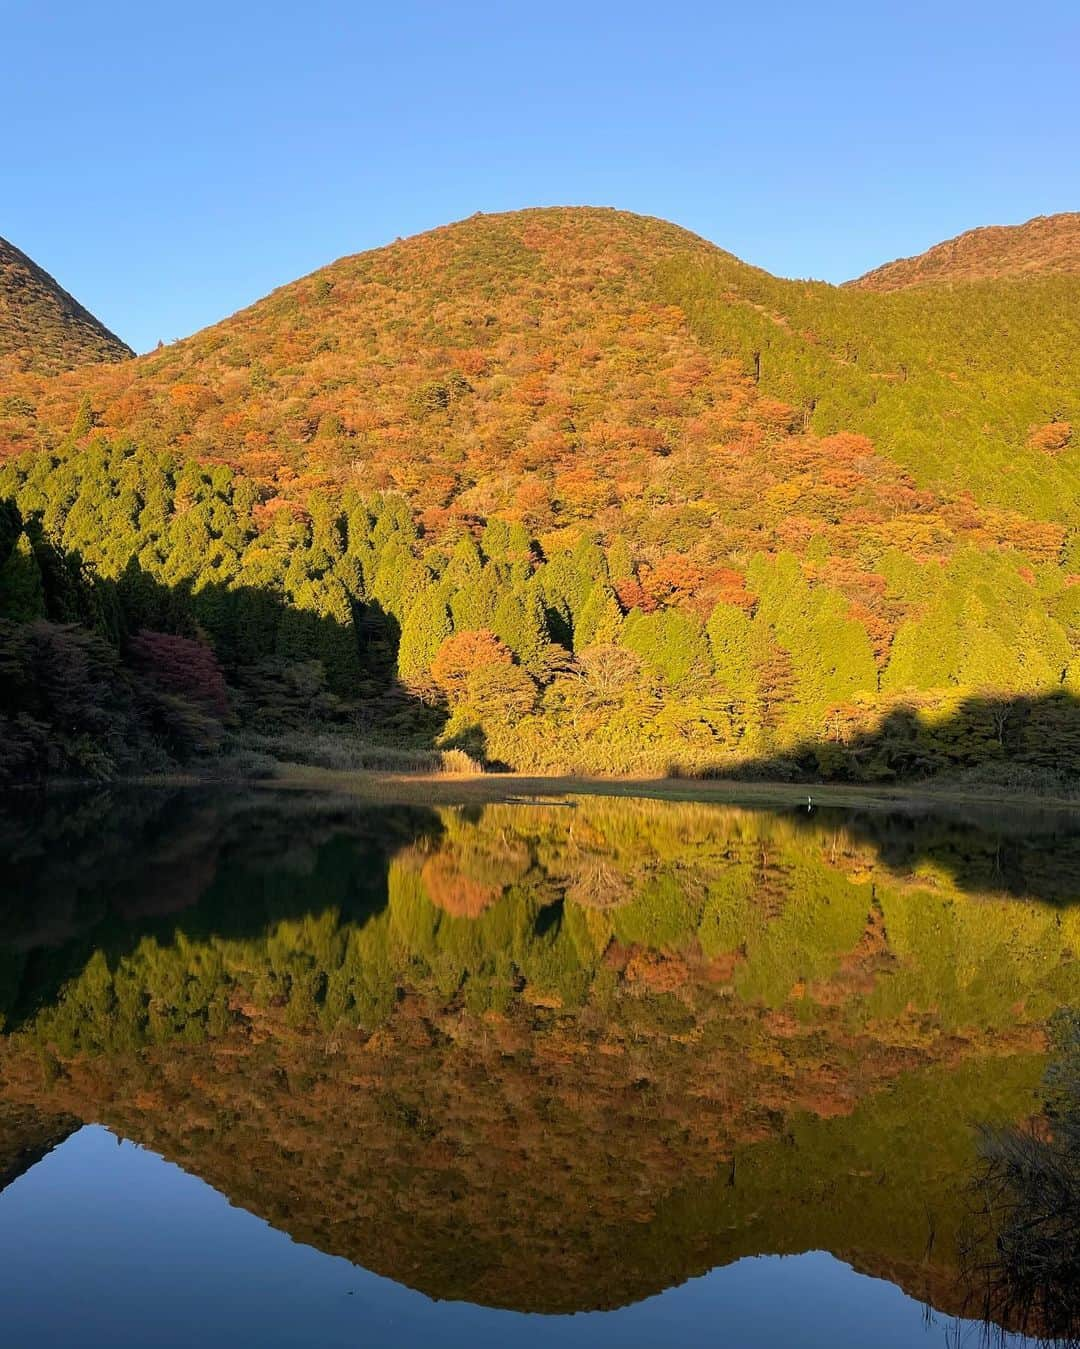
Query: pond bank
point(453, 789)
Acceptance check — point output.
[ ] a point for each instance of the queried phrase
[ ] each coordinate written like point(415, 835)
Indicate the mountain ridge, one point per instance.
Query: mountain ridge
point(563, 454)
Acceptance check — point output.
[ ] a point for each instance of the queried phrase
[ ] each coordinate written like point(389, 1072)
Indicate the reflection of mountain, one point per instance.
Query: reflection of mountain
point(26, 1136)
point(541, 1058)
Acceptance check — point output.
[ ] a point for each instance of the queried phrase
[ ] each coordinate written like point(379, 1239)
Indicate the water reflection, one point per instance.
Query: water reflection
point(547, 1057)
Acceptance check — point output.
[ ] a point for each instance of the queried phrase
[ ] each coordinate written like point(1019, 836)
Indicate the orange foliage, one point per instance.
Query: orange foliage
point(452, 891)
point(1052, 438)
point(520, 367)
point(463, 653)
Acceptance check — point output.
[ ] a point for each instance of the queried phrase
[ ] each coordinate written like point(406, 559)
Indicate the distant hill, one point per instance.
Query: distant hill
point(1048, 244)
point(42, 327)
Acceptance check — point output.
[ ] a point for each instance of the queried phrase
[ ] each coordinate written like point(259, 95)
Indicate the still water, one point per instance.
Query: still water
point(309, 1072)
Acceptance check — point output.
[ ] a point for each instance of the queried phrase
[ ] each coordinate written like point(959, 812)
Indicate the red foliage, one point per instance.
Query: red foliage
point(181, 666)
point(631, 595)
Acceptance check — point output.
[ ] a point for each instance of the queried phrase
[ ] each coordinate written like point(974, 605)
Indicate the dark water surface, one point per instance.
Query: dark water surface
point(307, 1072)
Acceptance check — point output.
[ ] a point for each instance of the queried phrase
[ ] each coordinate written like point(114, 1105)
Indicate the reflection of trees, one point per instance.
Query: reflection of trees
point(1024, 1249)
point(1023, 1252)
point(334, 910)
point(467, 869)
point(26, 1135)
point(511, 1052)
point(596, 882)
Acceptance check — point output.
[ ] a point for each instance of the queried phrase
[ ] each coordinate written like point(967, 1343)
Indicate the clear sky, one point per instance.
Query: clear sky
point(169, 163)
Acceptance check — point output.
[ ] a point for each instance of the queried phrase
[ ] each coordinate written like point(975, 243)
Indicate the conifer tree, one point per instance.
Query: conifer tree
point(519, 622)
point(620, 560)
point(671, 642)
point(473, 600)
point(728, 631)
point(495, 540)
point(84, 420)
point(22, 590)
point(600, 620)
point(427, 625)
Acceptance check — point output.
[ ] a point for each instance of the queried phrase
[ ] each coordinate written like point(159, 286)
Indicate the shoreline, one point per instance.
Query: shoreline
point(483, 788)
point(388, 787)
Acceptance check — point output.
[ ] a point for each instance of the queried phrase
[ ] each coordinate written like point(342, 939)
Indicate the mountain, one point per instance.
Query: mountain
point(591, 490)
point(551, 363)
point(1046, 245)
point(42, 327)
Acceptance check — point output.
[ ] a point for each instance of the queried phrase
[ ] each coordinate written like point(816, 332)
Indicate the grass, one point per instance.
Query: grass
point(338, 753)
point(465, 788)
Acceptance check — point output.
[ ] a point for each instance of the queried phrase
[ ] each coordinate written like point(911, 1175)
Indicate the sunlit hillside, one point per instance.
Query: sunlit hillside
point(1049, 244)
point(592, 490)
point(580, 364)
point(42, 327)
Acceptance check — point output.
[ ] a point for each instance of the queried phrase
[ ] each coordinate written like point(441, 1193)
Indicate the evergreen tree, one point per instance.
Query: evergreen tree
point(728, 631)
point(600, 620)
point(620, 560)
point(474, 599)
point(671, 642)
point(84, 422)
point(22, 589)
point(519, 622)
point(427, 625)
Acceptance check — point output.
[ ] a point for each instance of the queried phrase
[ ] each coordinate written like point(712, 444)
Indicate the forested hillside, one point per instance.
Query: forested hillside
point(573, 489)
point(42, 327)
point(1048, 243)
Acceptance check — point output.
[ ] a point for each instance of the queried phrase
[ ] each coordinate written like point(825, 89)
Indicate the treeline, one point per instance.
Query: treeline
point(189, 577)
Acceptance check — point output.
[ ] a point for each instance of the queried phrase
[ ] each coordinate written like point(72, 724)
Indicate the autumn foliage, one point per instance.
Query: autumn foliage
point(594, 491)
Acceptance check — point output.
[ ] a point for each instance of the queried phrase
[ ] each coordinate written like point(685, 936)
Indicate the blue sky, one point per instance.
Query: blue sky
point(171, 163)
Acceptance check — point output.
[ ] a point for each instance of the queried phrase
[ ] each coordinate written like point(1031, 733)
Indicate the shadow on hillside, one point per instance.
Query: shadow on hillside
point(97, 678)
point(994, 850)
point(1000, 755)
point(1023, 743)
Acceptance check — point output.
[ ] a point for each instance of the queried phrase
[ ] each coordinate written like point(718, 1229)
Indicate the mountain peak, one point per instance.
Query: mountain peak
point(1045, 244)
point(42, 327)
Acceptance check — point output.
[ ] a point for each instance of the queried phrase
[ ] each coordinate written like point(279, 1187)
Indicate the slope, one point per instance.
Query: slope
point(42, 327)
point(597, 494)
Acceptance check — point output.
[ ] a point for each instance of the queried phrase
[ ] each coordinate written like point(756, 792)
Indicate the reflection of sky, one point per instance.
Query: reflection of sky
point(104, 1244)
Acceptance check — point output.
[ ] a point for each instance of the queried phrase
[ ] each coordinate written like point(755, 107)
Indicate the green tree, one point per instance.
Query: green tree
point(427, 625)
point(22, 589)
point(600, 620)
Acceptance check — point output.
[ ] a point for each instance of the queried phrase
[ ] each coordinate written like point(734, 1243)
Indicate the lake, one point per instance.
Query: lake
point(295, 1070)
